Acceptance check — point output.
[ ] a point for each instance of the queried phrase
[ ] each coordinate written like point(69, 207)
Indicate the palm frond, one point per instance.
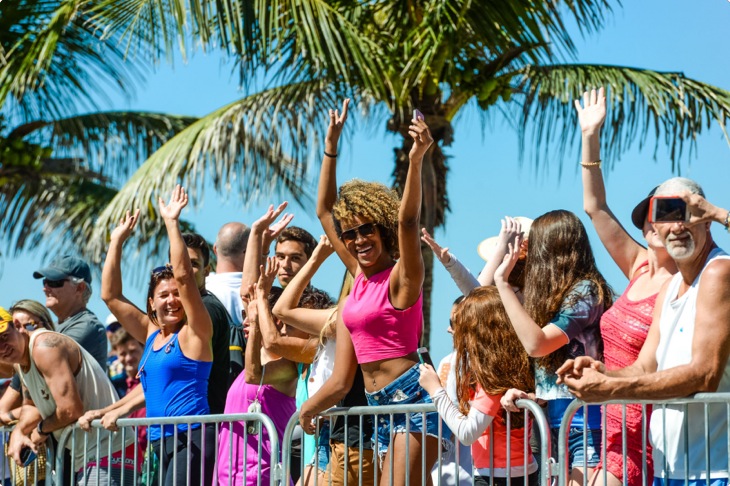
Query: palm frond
point(257, 146)
point(671, 107)
point(53, 61)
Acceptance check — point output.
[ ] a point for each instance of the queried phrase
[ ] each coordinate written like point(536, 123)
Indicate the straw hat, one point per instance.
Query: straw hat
point(486, 247)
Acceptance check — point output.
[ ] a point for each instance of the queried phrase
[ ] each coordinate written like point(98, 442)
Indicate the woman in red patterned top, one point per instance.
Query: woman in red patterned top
point(625, 325)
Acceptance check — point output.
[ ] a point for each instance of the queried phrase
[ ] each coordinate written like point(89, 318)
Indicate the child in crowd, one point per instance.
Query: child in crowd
point(564, 298)
point(490, 360)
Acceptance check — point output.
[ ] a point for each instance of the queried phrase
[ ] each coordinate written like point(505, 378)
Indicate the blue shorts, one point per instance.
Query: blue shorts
point(404, 390)
point(579, 456)
point(322, 457)
point(690, 482)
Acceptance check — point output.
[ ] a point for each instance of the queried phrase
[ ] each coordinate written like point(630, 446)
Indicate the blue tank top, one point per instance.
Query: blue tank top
point(174, 385)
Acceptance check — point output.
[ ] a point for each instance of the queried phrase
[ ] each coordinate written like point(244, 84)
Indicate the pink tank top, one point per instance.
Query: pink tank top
point(624, 328)
point(379, 330)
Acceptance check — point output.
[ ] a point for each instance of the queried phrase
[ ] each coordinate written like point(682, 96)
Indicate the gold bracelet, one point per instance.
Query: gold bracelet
point(597, 163)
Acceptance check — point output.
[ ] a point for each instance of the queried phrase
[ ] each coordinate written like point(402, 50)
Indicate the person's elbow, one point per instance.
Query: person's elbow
point(70, 412)
point(709, 381)
point(252, 376)
point(536, 349)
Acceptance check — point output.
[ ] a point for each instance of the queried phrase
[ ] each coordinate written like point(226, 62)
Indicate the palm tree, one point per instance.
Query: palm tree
point(58, 169)
point(441, 56)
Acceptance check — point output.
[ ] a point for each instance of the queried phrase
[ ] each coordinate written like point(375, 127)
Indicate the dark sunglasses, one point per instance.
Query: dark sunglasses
point(363, 230)
point(166, 267)
point(54, 284)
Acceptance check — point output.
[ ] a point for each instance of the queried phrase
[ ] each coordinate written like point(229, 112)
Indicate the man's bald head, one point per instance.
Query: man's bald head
point(230, 247)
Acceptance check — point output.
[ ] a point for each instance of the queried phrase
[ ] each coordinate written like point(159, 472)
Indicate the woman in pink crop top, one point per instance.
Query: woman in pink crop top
point(376, 236)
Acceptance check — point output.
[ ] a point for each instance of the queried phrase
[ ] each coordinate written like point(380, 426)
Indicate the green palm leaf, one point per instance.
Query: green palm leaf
point(669, 106)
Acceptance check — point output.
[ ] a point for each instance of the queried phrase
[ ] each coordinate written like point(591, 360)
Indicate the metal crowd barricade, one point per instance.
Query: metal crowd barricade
point(128, 428)
point(39, 470)
point(540, 426)
point(680, 408)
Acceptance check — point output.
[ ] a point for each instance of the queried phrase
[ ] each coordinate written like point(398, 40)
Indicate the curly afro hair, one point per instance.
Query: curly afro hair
point(372, 201)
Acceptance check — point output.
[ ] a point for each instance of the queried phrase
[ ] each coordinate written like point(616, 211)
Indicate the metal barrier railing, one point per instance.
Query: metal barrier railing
point(531, 409)
point(37, 471)
point(69, 441)
point(694, 446)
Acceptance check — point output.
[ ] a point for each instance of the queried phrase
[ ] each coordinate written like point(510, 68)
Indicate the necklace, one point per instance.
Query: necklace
point(168, 349)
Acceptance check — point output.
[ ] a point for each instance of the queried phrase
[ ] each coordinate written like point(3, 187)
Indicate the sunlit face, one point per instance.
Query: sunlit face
point(291, 257)
point(11, 346)
point(652, 237)
point(129, 353)
point(367, 249)
point(166, 303)
point(25, 321)
point(60, 299)
point(199, 268)
point(682, 242)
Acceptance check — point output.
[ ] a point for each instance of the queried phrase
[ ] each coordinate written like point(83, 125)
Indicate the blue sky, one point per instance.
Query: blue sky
point(486, 180)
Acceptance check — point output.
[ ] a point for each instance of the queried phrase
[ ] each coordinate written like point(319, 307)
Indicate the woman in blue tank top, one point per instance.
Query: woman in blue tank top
point(176, 363)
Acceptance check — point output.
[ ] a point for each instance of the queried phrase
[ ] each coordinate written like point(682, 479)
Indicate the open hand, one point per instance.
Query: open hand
point(593, 112)
point(266, 225)
point(501, 275)
point(266, 277)
point(324, 248)
point(125, 227)
point(178, 200)
point(441, 253)
point(511, 228)
point(337, 122)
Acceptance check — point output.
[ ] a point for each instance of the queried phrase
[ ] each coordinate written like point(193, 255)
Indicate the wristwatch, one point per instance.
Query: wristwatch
point(39, 429)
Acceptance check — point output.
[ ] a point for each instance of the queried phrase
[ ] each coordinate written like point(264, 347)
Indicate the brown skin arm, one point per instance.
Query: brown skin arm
point(10, 406)
point(710, 350)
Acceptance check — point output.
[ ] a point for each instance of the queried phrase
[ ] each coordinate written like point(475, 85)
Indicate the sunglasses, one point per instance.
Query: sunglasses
point(166, 267)
point(363, 230)
point(54, 284)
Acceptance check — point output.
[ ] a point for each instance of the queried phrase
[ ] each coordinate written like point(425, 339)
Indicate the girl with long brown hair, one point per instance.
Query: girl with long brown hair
point(490, 360)
point(565, 296)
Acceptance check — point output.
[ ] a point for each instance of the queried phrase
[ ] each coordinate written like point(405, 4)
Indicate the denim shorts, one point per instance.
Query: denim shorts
point(579, 456)
point(404, 390)
point(322, 457)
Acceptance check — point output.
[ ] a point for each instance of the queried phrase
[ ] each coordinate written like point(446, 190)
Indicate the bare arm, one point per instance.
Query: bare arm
point(406, 279)
point(339, 384)
point(196, 341)
point(133, 400)
point(625, 251)
point(10, 406)
point(327, 187)
point(259, 241)
point(311, 321)
point(134, 321)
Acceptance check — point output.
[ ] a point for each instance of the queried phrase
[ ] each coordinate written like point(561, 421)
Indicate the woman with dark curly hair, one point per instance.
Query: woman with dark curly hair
point(376, 235)
point(565, 296)
point(490, 360)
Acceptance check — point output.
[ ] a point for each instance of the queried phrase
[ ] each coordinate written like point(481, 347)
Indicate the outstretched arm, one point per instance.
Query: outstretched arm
point(311, 321)
point(200, 327)
point(625, 251)
point(327, 188)
point(406, 279)
point(134, 321)
point(459, 273)
point(134, 400)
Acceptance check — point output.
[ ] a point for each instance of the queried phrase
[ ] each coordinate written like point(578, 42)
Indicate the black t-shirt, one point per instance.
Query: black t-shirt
point(218, 381)
point(354, 398)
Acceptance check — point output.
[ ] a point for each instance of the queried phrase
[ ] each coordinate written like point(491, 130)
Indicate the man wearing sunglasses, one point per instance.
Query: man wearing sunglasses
point(67, 286)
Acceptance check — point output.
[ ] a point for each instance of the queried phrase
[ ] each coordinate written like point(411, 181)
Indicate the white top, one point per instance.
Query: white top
point(96, 392)
point(322, 367)
point(226, 286)
point(668, 426)
point(447, 375)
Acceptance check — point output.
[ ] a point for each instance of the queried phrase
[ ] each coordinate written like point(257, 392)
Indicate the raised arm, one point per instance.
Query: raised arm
point(294, 345)
point(538, 341)
point(406, 279)
point(327, 188)
point(459, 273)
point(134, 321)
point(625, 251)
point(507, 234)
point(200, 328)
point(310, 321)
point(263, 232)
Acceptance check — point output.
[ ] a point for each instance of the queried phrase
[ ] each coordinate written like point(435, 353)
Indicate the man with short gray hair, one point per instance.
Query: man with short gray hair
point(687, 348)
point(67, 286)
point(230, 250)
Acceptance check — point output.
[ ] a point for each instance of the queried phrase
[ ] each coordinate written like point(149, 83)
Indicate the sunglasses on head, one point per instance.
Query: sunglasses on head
point(163, 268)
point(363, 230)
point(54, 284)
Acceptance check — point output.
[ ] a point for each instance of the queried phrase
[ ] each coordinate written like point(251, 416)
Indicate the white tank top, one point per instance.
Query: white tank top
point(96, 392)
point(668, 426)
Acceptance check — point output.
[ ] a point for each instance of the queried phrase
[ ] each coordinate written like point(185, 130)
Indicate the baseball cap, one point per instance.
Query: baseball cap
point(64, 267)
point(112, 323)
point(5, 319)
point(640, 212)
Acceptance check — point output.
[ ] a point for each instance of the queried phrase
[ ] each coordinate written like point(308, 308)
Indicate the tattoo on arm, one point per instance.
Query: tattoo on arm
point(51, 340)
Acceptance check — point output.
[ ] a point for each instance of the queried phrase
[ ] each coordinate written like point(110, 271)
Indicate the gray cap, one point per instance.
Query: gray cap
point(64, 267)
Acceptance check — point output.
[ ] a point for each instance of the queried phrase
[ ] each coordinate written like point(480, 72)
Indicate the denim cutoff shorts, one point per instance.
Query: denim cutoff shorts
point(403, 390)
point(322, 458)
point(579, 456)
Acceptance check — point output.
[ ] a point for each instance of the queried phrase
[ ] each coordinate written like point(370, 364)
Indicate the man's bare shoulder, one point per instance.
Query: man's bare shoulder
point(717, 272)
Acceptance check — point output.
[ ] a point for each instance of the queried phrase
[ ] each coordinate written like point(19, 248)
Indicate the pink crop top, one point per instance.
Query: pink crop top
point(378, 330)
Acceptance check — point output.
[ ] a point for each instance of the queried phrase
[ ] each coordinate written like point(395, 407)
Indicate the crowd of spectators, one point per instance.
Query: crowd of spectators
point(539, 322)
